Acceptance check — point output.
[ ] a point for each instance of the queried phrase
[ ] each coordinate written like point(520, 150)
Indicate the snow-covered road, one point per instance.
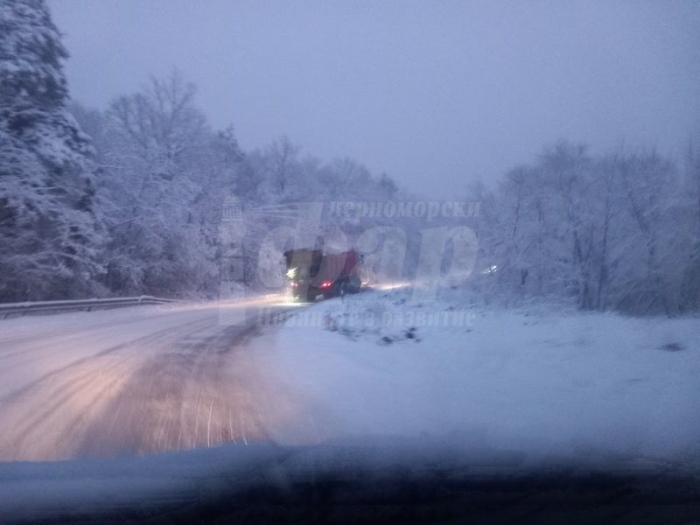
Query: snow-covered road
point(132, 380)
point(365, 389)
point(159, 378)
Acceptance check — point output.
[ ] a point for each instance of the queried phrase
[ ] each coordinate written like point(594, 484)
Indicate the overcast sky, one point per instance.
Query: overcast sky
point(433, 93)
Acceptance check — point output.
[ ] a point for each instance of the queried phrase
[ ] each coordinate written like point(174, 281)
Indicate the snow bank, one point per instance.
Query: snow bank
point(554, 385)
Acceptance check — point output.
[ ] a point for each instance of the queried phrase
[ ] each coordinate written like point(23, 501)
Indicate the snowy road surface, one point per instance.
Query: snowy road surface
point(133, 380)
point(370, 385)
point(160, 378)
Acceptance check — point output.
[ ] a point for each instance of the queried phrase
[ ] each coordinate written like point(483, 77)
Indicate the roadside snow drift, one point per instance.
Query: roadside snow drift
point(554, 385)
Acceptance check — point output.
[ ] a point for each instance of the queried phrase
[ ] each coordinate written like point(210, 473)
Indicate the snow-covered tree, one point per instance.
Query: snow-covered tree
point(158, 179)
point(690, 287)
point(645, 235)
point(49, 236)
point(613, 231)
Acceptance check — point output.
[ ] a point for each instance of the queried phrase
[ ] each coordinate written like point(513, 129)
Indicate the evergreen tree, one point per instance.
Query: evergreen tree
point(49, 235)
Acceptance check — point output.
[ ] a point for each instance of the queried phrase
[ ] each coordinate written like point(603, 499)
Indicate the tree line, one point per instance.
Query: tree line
point(129, 200)
point(614, 231)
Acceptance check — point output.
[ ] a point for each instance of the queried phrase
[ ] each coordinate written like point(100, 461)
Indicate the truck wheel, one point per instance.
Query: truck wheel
point(347, 287)
point(354, 285)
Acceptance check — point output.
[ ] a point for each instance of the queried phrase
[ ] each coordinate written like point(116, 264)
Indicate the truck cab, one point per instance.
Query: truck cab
point(312, 272)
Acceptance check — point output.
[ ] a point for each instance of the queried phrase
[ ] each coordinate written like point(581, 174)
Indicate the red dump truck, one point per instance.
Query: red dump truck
point(312, 273)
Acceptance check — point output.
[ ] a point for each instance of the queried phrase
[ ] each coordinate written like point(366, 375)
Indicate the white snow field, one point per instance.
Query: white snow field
point(368, 381)
point(556, 385)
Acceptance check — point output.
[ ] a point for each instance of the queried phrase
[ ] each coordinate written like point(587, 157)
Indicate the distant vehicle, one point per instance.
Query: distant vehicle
point(311, 273)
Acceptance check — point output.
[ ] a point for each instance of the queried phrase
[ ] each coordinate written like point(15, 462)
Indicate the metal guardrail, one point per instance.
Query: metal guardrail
point(8, 309)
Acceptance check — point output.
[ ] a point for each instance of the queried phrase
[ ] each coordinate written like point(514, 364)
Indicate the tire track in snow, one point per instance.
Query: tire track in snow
point(44, 419)
point(185, 386)
point(184, 398)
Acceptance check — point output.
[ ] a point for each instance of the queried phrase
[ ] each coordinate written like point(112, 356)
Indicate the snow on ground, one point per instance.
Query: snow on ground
point(132, 380)
point(380, 382)
point(555, 384)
